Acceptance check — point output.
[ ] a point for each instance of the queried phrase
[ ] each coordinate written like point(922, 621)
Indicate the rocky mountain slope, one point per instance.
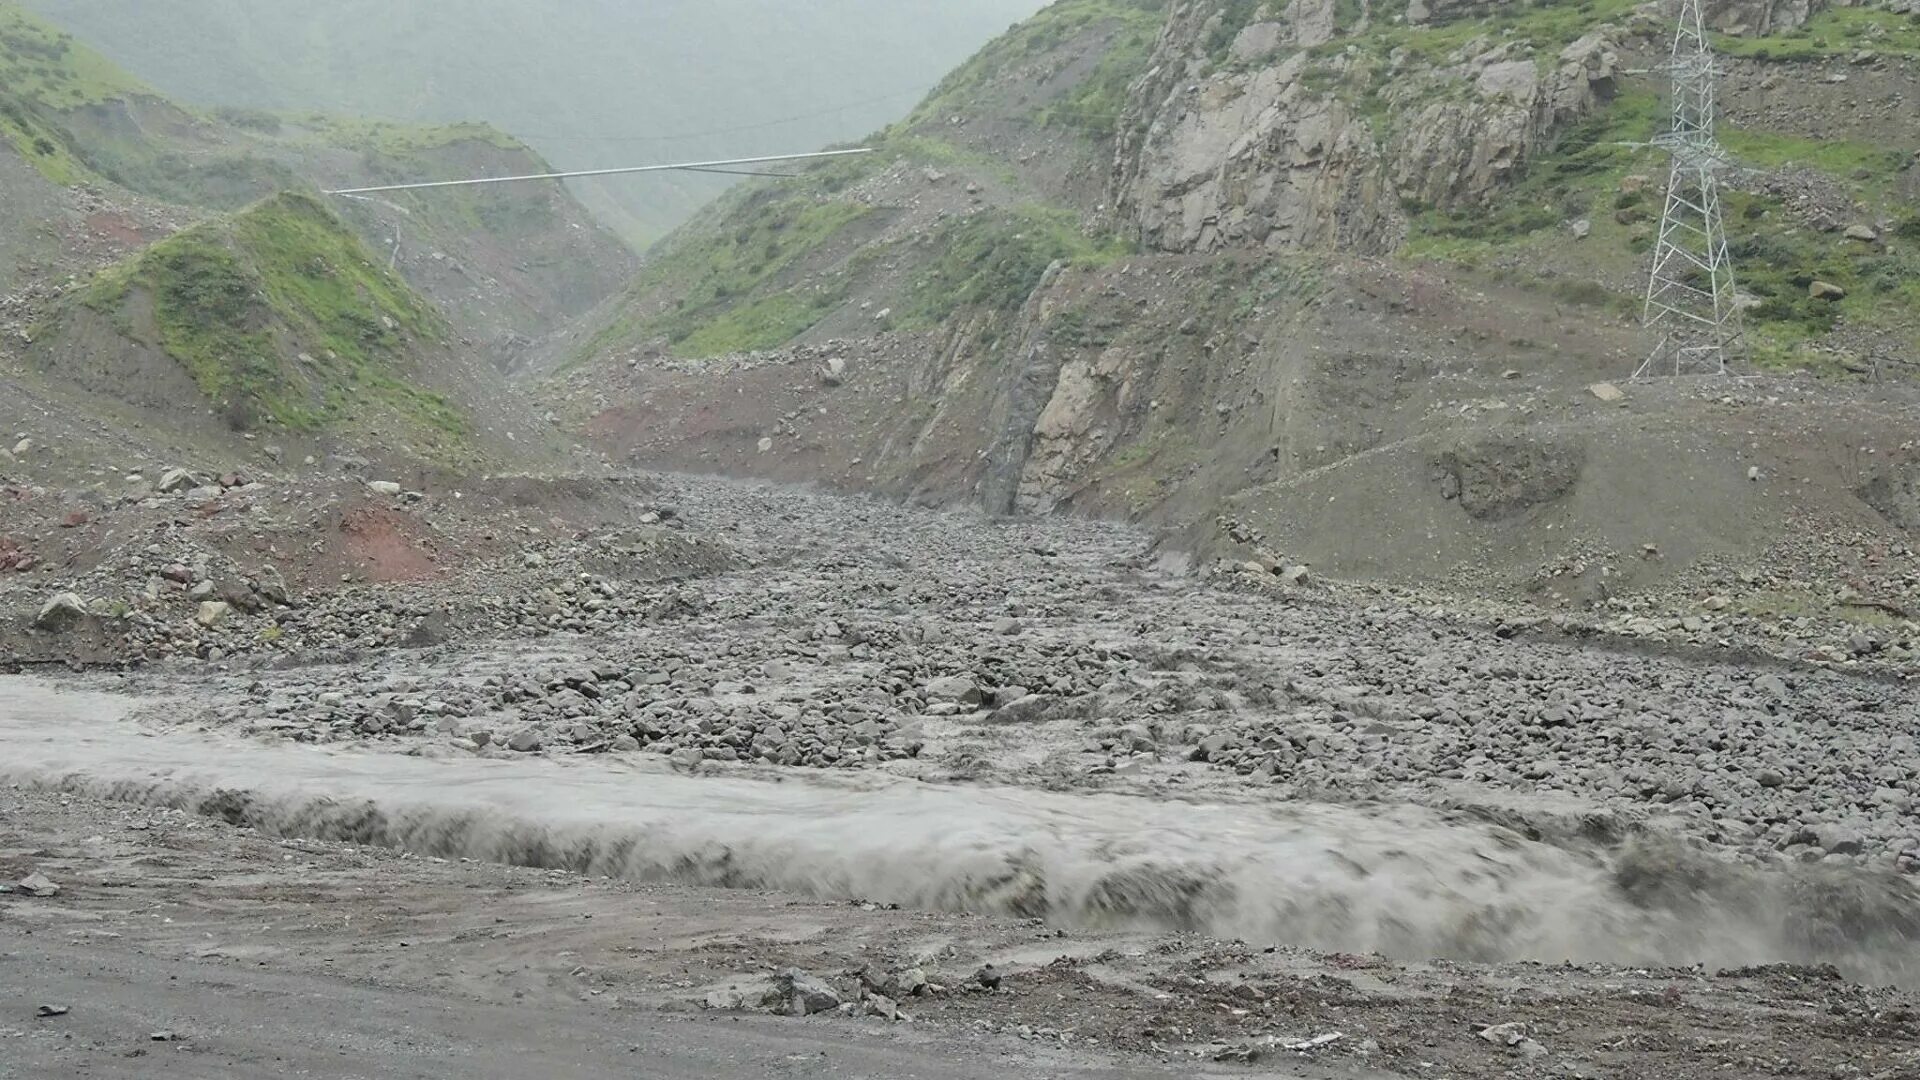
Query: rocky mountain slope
point(1362, 276)
point(262, 322)
point(590, 83)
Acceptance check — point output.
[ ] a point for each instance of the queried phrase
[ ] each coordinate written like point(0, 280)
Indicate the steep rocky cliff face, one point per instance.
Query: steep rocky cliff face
point(1314, 124)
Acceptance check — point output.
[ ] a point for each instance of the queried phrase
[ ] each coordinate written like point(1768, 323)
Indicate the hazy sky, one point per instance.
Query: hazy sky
point(589, 83)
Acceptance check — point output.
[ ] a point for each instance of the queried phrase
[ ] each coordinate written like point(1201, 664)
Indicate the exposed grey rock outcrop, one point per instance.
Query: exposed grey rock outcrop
point(1292, 147)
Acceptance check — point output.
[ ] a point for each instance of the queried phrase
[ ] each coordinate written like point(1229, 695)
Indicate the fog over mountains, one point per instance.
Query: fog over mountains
point(589, 83)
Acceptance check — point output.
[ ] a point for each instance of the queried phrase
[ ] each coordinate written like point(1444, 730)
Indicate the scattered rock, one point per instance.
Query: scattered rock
point(1863, 233)
point(1840, 840)
point(383, 487)
point(961, 690)
point(791, 993)
point(1513, 1036)
point(436, 628)
point(1606, 392)
point(1028, 709)
point(62, 612)
point(1826, 290)
point(45, 1011)
point(38, 884)
point(212, 613)
point(1508, 1034)
point(799, 994)
point(911, 983)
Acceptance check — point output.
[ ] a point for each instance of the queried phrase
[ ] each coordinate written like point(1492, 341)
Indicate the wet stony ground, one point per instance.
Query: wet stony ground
point(858, 674)
point(1068, 655)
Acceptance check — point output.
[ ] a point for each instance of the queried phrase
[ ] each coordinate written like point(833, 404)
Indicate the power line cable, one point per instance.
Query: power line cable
point(743, 172)
point(683, 136)
point(687, 166)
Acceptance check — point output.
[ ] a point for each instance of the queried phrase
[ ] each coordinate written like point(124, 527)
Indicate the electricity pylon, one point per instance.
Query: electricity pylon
point(1690, 293)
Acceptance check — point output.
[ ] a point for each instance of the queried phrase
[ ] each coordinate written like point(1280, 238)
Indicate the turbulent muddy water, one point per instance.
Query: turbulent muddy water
point(1408, 881)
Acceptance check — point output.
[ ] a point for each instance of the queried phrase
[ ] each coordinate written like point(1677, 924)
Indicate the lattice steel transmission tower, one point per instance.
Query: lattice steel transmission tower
point(1690, 293)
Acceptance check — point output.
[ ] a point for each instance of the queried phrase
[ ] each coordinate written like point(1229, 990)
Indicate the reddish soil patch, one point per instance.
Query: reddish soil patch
point(384, 545)
point(116, 228)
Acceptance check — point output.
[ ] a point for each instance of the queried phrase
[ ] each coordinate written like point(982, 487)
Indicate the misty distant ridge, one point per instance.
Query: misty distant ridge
point(588, 83)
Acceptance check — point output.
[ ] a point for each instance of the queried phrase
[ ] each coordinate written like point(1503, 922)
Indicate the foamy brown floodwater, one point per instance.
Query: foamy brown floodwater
point(1408, 881)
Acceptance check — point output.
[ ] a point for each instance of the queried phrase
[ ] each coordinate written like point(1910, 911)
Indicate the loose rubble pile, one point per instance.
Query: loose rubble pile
point(190, 566)
point(95, 230)
point(15, 558)
point(880, 993)
point(740, 700)
point(1059, 653)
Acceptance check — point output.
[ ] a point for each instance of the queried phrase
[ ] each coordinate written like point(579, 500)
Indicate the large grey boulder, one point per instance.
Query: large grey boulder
point(1030, 709)
point(63, 611)
point(800, 994)
point(962, 690)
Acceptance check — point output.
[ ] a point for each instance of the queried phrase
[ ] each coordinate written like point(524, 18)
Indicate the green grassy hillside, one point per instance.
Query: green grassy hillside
point(771, 259)
point(282, 318)
point(42, 72)
point(504, 263)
